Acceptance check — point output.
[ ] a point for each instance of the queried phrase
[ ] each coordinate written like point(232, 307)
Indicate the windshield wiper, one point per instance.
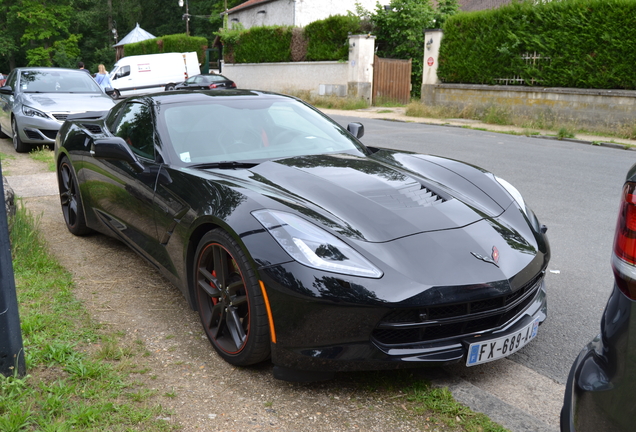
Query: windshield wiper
point(224, 165)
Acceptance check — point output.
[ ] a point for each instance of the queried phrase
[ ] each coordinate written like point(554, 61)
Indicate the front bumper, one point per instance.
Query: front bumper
point(37, 130)
point(321, 335)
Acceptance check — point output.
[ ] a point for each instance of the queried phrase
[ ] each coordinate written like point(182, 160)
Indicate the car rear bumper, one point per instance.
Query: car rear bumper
point(599, 390)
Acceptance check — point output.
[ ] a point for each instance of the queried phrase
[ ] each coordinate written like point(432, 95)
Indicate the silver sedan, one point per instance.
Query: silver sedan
point(35, 101)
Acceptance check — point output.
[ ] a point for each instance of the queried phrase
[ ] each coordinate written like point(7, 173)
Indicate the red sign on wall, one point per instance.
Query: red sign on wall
point(430, 61)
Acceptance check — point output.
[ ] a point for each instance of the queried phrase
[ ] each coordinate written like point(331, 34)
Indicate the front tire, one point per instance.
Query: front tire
point(115, 94)
point(18, 145)
point(169, 87)
point(229, 301)
point(71, 199)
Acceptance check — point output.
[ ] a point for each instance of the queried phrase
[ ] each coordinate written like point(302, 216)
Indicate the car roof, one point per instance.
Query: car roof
point(43, 68)
point(200, 96)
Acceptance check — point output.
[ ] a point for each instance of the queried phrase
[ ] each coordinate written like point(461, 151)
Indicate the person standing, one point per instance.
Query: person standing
point(80, 65)
point(102, 77)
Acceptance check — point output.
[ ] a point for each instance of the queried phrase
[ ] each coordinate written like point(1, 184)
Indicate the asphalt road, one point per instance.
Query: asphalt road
point(573, 188)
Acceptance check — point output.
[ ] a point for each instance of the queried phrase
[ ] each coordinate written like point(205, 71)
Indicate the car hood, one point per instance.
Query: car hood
point(370, 199)
point(67, 102)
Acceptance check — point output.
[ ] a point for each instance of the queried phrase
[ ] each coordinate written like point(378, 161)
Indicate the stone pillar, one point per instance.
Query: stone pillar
point(360, 75)
point(432, 38)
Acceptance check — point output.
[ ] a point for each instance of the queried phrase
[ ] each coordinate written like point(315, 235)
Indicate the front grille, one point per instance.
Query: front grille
point(31, 134)
point(407, 326)
point(60, 117)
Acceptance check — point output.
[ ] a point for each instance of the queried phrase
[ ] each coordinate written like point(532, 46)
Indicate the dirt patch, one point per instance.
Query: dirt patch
point(203, 392)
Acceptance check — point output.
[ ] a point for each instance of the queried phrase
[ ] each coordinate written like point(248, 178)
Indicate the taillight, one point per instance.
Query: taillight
point(233, 85)
point(213, 86)
point(624, 261)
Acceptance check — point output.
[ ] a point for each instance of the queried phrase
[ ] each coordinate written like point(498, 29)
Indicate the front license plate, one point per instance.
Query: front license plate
point(493, 349)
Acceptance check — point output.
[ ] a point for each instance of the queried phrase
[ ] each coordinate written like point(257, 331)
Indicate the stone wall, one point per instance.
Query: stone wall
point(581, 106)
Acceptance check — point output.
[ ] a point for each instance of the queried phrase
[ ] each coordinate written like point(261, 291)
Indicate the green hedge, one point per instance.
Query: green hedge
point(327, 39)
point(578, 43)
point(170, 43)
point(263, 44)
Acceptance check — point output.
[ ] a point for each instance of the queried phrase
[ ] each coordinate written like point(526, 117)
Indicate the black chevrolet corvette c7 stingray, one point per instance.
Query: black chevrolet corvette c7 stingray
point(296, 242)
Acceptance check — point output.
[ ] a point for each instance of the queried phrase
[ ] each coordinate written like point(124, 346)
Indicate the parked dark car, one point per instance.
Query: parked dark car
point(296, 242)
point(599, 395)
point(206, 82)
point(35, 101)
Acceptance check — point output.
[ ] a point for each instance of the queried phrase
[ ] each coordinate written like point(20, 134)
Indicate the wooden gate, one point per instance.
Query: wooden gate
point(391, 80)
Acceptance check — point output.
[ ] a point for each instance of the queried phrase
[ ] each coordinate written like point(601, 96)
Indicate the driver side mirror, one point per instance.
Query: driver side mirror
point(7, 89)
point(356, 129)
point(117, 149)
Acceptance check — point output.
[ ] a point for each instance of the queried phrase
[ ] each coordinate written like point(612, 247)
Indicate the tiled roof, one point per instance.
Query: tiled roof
point(248, 4)
point(475, 5)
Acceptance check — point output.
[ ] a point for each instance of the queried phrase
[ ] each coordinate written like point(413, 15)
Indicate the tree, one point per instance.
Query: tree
point(399, 28)
point(445, 9)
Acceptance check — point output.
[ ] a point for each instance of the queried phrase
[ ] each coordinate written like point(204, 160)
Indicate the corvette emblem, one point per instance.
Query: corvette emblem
point(492, 259)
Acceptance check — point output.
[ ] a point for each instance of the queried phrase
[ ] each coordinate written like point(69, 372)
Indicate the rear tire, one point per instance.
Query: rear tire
point(71, 199)
point(229, 301)
point(18, 145)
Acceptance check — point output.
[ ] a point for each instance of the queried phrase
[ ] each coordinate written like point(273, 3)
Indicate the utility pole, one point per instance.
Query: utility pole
point(11, 349)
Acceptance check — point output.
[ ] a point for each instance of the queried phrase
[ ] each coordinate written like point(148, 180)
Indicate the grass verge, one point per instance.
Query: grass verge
point(44, 154)
point(78, 377)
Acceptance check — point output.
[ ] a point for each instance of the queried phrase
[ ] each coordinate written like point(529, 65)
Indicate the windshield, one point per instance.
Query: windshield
point(233, 129)
point(57, 81)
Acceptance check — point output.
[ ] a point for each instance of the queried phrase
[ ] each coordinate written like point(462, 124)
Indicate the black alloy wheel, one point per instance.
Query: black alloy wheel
point(18, 145)
point(71, 199)
point(229, 301)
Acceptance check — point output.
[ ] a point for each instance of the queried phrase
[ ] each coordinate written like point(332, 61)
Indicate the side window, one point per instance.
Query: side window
point(136, 128)
point(12, 80)
point(122, 72)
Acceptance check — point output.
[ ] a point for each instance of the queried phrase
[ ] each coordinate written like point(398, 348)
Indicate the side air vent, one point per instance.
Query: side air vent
point(92, 128)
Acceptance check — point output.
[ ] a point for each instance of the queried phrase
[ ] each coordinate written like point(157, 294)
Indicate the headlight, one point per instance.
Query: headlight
point(32, 112)
point(313, 246)
point(516, 195)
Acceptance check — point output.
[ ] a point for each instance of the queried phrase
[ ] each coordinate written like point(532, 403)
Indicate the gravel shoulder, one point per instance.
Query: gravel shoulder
point(128, 297)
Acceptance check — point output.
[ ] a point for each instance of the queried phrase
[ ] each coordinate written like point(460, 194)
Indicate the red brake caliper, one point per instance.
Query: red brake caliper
point(214, 299)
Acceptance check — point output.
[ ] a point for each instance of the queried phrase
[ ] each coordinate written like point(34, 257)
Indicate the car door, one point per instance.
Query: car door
point(122, 197)
point(7, 102)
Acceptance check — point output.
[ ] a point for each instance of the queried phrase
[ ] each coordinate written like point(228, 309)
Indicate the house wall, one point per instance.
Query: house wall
point(279, 12)
point(308, 11)
point(297, 13)
point(592, 107)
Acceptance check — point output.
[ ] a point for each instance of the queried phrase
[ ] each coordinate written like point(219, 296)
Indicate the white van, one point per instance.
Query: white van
point(152, 72)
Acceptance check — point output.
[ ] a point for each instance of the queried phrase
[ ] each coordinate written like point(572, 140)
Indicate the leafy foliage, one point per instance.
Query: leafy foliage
point(400, 33)
point(570, 43)
point(169, 43)
point(257, 44)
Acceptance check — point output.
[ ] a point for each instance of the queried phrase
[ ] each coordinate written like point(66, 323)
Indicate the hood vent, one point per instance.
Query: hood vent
point(412, 195)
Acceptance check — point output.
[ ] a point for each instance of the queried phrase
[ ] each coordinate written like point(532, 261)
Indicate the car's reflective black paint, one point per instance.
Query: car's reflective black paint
point(420, 221)
point(599, 394)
